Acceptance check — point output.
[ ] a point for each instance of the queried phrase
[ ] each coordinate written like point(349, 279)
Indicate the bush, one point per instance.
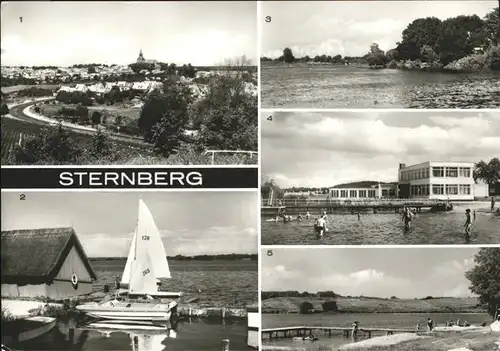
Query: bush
point(4, 109)
point(493, 58)
point(329, 306)
point(306, 307)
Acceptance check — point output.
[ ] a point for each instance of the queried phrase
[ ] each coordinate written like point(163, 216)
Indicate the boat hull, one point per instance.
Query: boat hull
point(132, 316)
point(42, 325)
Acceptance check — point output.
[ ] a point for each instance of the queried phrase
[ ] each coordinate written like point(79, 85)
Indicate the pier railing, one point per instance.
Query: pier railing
point(351, 203)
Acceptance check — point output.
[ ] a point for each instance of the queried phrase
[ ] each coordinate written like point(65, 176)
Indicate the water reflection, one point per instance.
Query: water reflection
point(193, 334)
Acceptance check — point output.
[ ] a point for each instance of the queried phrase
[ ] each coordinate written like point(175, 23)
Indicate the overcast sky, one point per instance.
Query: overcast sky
point(330, 148)
point(67, 33)
point(349, 27)
point(378, 272)
point(191, 223)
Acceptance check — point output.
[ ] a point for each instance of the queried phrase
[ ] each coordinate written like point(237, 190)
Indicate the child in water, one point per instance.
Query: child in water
point(468, 223)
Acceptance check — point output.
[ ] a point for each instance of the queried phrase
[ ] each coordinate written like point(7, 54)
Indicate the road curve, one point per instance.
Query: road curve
point(17, 111)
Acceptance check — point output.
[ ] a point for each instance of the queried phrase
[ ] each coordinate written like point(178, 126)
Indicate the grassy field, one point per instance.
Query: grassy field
point(11, 130)
point(15, 88)
point(128, 113)
point(375, 305)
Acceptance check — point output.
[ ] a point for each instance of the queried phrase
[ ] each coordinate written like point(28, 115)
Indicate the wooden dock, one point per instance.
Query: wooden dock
point(288, 332)
point(332, 205)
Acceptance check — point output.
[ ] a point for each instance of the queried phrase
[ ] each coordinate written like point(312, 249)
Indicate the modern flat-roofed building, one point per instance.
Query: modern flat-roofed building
point(363, 190)
point(439, 181)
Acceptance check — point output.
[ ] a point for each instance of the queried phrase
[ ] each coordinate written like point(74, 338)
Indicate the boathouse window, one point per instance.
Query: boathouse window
point(343, 193)
point(465, 189)
point(451, 189)
point(464, 172)
point(452, 172)
point(362, 193)
point(438, 171)
point(371, 193)
point(438, 189)
point(335, 193)
point(353, 193)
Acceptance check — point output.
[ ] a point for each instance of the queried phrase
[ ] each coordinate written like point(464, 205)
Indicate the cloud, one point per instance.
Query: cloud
point(325, 149)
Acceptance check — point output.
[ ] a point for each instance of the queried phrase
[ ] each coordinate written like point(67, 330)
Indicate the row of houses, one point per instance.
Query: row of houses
point(428, 180)
point(102, 88)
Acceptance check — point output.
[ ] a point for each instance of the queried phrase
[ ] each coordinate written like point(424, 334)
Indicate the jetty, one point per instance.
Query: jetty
point(289, 332)
point(335, 205)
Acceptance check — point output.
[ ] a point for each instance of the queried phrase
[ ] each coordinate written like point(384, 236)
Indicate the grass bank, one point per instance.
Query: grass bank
point(376, 305)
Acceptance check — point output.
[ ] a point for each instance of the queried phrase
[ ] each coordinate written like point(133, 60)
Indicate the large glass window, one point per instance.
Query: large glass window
point(464, 172)
point(426, 173)
point(452, 172)
point(465, 189)
point(353, 193)
point(335, 193)
point(438, 189)
point(371, 193)
point(451, 189)
point(362, 193)
point(343, 193)
point(438, 171)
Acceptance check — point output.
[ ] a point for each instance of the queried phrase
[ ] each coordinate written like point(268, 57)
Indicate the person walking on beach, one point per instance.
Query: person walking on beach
point(468, 223)
point(430, 324)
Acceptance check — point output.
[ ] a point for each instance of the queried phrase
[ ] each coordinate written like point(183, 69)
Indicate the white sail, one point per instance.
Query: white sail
point(130, 259)
point(146, 228)
point(142, 278)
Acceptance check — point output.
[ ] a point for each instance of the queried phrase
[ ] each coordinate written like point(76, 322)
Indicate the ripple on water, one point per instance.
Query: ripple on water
point(334, 87)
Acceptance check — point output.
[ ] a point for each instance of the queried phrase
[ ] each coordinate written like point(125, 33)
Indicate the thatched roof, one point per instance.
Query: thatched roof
point(34, 256)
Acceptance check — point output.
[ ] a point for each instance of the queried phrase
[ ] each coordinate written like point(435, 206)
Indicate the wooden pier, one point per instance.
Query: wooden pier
point(304, 331)
point(331, 205)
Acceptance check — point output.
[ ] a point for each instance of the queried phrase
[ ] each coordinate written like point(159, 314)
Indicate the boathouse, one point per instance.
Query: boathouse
point(47, 263)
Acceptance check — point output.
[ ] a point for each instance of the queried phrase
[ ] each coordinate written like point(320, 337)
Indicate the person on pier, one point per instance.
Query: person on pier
point(355, 328)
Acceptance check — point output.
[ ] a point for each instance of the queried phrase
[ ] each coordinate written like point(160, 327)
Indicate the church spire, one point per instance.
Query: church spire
point(141, 57)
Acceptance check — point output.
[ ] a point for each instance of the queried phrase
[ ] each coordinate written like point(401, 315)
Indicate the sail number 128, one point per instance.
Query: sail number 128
point(145, 237)
point(145, 272)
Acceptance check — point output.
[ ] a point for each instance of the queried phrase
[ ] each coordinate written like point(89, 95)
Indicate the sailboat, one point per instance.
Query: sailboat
point(146, 263)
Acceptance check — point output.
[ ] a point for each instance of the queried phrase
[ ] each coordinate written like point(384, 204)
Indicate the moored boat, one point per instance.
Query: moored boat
point(137, 296)
point(26, 329)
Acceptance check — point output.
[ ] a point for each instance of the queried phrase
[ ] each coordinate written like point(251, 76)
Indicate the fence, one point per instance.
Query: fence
point(213, 152)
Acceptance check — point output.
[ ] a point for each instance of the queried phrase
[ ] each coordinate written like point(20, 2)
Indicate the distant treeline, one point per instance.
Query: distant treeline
point(292, 293)
point(225, 257)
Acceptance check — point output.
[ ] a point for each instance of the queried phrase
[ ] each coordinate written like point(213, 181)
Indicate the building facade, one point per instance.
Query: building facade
point(438, 181)
point(47, 263)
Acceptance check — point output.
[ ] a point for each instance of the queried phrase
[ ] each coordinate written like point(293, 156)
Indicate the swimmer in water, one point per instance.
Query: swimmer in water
point(308, 215)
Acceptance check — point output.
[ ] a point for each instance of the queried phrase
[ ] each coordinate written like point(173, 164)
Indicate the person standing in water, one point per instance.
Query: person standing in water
point(321, 225)
point(492, 204)
point(468, 223)
point(430, 324)
point(355, 328)
point(308, 215)
point(407, 218)
point(474, 215)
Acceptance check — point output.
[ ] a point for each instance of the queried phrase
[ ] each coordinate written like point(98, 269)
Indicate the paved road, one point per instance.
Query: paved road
point(18, 112)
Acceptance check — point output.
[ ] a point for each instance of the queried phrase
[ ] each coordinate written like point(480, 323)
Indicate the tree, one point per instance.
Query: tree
point(288, 55)
point(488, 172)
point(266, 187)
point(4, 109)
point(101, 146)
point(173, 101)
point(422, 31)
point(485, 278)
point(376, 56)
point(96, 118)
point(329, 306)
point(91, 70)
point(306, 307)
point(492, 26)
point(428, 54)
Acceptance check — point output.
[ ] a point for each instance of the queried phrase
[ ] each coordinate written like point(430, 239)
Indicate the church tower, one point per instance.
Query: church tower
point(141, 57)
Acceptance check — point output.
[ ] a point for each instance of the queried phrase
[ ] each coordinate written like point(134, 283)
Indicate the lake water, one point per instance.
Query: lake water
point(381, 320)
point(222, 283)
point(352, 87)
point(385, 228)
point(194, 335)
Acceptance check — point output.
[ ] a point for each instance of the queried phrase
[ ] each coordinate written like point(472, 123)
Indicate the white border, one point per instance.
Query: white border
point(84, 167)
point(259, 163)
point(121, 190)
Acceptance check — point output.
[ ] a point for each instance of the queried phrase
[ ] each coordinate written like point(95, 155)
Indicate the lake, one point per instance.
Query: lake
point(222, 282)
point(385, 228)
point(387, 320)
point(352, 87)
point(187, 335)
